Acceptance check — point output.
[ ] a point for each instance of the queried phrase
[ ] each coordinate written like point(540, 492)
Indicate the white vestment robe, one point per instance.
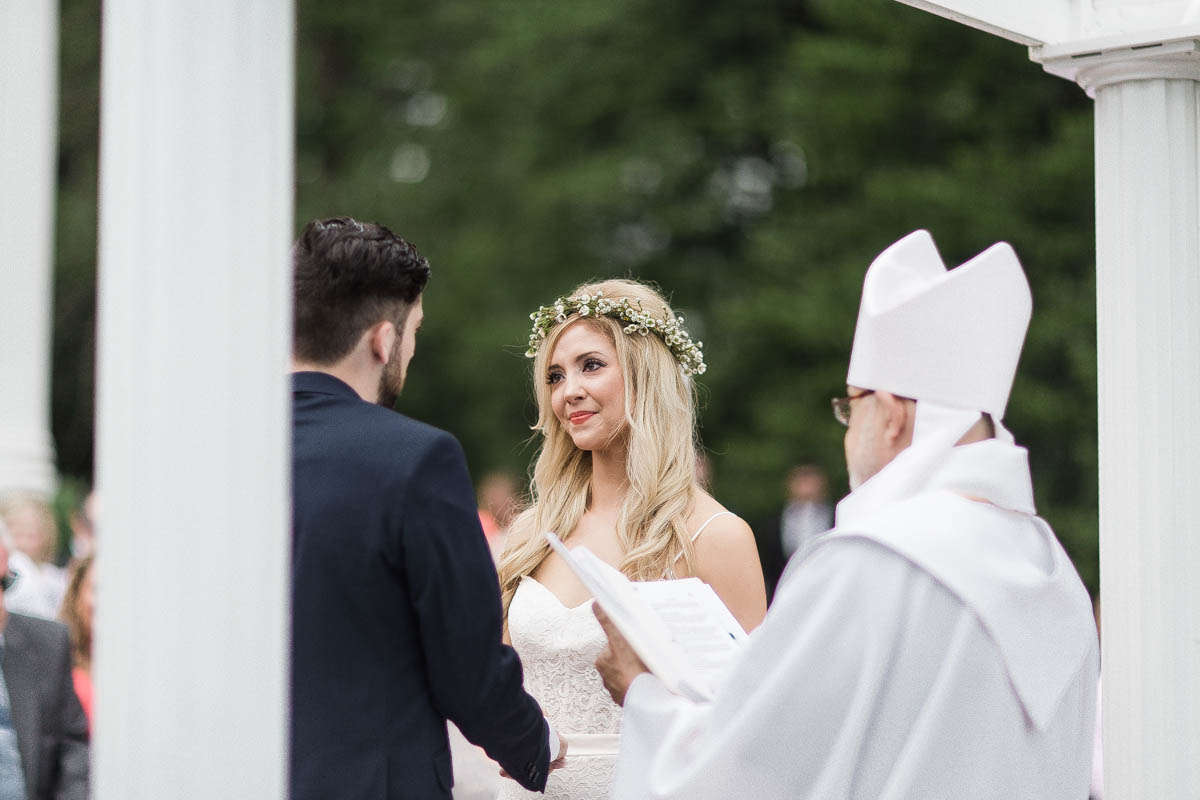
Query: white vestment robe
point(931, 647)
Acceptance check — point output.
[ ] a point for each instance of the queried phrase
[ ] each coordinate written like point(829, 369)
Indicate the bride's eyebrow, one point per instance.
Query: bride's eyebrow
point(577, 359)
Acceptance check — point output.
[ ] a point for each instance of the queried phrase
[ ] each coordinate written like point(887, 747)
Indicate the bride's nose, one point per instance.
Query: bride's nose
point(574, 387)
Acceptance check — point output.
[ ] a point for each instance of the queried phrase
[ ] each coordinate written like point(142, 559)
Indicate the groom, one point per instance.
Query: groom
point(396, 611)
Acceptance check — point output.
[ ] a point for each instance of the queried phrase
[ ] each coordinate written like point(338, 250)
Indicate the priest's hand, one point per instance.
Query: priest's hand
point(618, 664)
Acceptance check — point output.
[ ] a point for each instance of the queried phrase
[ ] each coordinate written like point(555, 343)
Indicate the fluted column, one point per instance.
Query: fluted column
point(28, 136)
point(1148, 327)
point(196, 220)
point(1147, 94)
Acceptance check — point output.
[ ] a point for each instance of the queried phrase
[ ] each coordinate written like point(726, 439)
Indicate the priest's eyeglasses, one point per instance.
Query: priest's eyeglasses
point(7, 580)
point(841, 406)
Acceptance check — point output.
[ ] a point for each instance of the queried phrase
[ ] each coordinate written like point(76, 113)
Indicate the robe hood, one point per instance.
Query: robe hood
point(1036, 610)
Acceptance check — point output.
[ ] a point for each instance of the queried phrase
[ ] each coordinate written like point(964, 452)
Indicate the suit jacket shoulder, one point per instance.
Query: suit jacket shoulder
point(338, 430)
point(36, 638)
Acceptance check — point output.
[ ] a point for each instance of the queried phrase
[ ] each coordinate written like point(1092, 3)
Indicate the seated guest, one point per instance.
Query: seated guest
point(43, 731)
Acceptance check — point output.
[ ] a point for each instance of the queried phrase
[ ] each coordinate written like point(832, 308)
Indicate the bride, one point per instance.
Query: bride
point(616, 473)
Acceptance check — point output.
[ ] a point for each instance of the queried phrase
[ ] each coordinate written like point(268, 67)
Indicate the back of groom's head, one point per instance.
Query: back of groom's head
point(346, 276)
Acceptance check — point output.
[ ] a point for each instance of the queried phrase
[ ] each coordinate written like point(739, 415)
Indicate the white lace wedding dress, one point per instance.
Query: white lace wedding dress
point(558, 647)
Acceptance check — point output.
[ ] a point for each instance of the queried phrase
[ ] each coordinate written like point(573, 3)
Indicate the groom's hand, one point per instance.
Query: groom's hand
point(618, 664)
point(557, 763)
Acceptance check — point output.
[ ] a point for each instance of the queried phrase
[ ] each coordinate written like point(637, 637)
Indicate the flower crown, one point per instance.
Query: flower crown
point(670, 328)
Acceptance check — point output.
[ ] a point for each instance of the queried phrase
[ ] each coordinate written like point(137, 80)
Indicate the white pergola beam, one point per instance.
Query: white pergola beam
point(1062, 23)
point(28, 139)
point(1024, 23)
point(192, 454)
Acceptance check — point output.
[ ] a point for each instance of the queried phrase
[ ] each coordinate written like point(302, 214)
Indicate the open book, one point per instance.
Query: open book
point(680, 628)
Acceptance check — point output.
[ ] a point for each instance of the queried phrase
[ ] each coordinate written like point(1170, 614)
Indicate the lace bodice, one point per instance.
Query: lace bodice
point(558, 648)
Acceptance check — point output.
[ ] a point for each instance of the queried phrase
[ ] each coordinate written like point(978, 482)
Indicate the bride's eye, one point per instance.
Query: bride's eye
point(592, 364)
point(554, 377)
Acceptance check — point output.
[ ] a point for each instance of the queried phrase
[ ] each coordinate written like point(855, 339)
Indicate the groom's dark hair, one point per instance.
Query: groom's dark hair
point(347, 276)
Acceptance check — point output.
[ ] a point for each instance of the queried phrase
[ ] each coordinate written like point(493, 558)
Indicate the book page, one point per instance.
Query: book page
point(680, 628)
point(699, 622)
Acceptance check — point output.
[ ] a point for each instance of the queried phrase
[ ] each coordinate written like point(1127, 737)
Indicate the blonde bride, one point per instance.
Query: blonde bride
point(613, 375)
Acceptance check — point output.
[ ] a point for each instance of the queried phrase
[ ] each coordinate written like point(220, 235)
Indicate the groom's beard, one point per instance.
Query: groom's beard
point(392, 379)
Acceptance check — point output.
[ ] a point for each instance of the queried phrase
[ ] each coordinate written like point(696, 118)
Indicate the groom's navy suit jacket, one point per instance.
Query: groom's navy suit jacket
point(396, 609)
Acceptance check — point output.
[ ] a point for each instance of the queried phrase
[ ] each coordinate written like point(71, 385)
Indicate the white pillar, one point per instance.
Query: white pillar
point(193, 402)
point(28, 138)
point(1148, 328)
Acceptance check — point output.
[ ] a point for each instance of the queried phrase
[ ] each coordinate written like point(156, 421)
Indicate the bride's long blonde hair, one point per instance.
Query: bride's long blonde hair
point(660, 412)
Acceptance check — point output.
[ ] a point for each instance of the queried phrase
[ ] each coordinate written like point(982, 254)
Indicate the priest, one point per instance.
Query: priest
point(938, 643)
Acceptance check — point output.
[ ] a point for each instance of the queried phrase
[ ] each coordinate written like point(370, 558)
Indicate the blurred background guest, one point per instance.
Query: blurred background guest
point(40, 584)
point(807, 514)
point(83, 528)
point(77, 609)
point(499, 502)
point(43, 730)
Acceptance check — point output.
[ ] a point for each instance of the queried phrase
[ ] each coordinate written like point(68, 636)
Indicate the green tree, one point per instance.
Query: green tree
point(751, 158)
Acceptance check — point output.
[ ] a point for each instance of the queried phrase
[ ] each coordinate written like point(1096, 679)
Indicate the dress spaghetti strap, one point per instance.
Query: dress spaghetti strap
point(700, 530)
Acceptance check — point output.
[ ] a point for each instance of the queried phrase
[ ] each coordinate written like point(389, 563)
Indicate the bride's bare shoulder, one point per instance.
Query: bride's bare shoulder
point(726, 558)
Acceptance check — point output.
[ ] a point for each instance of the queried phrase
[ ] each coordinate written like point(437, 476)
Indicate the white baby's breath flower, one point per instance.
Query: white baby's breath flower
point(669, 328)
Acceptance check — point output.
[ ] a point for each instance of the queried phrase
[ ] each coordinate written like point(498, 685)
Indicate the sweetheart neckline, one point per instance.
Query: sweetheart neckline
point(546, 589)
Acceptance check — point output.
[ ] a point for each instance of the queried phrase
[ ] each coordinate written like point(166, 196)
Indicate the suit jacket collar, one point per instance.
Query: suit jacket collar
point(321, 383)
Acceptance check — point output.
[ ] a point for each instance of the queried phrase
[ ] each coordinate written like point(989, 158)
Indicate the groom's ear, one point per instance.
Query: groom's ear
point(381, 338)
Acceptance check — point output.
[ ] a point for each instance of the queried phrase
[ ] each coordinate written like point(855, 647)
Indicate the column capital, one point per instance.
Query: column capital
point(1096, 63)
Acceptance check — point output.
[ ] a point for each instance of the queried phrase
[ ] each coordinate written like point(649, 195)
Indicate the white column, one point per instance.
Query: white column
point(1148, 328)
point(28, 138)
point(192, 452)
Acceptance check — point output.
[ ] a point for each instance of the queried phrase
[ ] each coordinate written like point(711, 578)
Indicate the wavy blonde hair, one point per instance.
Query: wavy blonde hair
point(660, 415)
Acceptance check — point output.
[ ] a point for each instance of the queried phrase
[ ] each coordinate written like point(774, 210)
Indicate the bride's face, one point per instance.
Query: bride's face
point(587, 388)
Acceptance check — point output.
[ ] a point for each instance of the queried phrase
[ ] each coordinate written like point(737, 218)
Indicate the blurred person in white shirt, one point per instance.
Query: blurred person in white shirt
point(41, 583)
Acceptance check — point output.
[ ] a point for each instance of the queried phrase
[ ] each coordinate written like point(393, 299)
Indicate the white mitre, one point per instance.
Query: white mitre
point(952, 337)
point(949, 339)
